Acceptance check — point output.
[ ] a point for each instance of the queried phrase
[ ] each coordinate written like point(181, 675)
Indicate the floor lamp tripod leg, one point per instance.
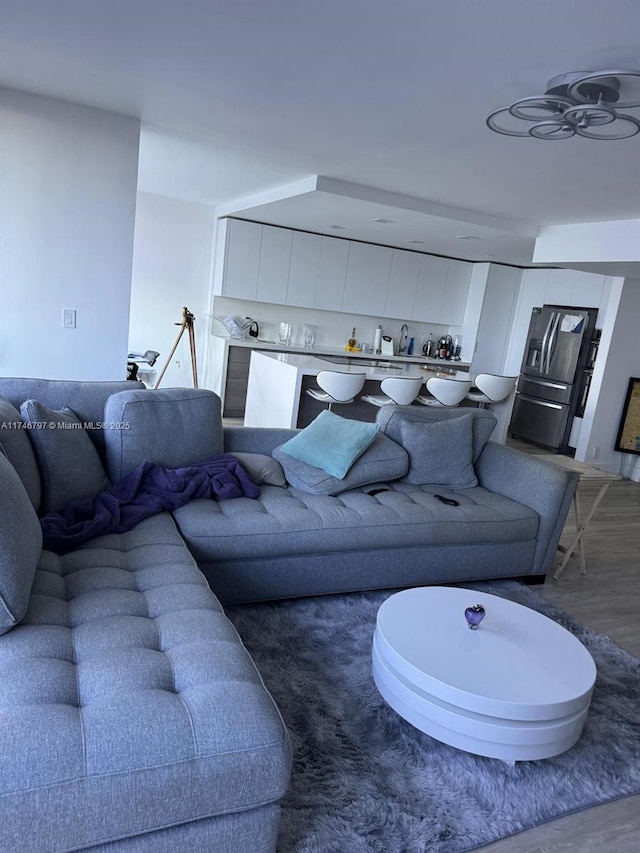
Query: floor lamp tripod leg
point(187, 323)
point(192, 348)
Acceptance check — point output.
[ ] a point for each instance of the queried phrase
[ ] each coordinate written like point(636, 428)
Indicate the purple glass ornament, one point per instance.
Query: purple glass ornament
point(474, 615)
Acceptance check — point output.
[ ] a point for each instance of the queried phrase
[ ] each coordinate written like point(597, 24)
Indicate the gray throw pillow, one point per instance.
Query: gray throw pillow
point(262, 468)
point(15, 444)
point(440, 452)
point(381, 462)
point(20, 546)
point(70, 468)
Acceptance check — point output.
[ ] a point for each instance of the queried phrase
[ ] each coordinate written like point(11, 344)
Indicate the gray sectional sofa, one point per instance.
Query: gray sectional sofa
point(133, 718)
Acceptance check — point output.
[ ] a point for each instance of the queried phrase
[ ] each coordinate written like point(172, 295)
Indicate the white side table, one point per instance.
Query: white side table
point(517, 688)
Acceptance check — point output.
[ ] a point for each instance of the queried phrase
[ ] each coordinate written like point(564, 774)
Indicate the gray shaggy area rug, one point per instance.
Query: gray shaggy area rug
point(366, 781)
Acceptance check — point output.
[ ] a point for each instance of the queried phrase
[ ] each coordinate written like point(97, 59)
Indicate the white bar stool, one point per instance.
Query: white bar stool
point(446, 393)
point(492, 388)
point(401, 390)
point(337, 387)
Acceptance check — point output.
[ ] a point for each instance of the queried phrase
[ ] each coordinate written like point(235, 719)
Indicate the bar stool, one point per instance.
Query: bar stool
point(401, 390)
point(337, 387)
point(446, 393)
point(491, 388)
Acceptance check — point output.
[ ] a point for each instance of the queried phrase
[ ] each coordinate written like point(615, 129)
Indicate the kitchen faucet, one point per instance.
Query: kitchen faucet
point(404, 338)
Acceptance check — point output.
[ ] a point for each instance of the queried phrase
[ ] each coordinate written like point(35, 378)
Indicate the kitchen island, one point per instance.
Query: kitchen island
point(278, 381)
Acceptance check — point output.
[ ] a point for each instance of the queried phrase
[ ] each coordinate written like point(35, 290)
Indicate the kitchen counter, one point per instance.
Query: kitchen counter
point(274, 346)
point(277, 380)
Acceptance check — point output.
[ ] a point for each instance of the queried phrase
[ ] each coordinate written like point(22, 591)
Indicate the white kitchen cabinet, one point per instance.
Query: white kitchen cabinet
point(367, 281)
point(273, 269)
point(456, 291)
point(403, 283)
point(332, 272)
point(241, 258)
point(559, 289)
point(430, 290)
point(303, 271)
point(588, 289)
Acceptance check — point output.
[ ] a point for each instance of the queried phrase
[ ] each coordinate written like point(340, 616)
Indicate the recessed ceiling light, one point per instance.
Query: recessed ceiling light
point(417, 242)
point(467, 237)
point(338, 227)
point(382, 221)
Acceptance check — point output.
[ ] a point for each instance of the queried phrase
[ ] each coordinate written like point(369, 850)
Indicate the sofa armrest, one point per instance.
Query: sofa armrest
point(536, 483)
point(255, 439)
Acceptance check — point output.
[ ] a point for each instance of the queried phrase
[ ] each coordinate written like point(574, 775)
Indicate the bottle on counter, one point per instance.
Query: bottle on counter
point(377, 340)
point(457, 348)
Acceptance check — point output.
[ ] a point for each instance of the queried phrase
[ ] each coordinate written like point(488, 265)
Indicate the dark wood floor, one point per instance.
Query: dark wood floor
point(606, 599)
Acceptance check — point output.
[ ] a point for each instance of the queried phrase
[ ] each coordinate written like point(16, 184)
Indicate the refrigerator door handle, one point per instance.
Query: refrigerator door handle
point(552, 341)
point(544, 403)
point(546, 383)
point(545, 343)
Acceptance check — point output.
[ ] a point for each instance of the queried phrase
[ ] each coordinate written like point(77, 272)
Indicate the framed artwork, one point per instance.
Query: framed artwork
point(628, 440)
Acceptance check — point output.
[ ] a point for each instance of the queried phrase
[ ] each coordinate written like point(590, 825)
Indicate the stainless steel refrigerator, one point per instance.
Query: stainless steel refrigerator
point(554, 376)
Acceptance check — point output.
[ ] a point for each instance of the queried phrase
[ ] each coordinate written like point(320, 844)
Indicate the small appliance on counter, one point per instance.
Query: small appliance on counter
point(387, 345)
point(445, 347)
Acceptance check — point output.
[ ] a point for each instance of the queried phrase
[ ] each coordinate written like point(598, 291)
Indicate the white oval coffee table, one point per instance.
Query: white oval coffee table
point(516, 688)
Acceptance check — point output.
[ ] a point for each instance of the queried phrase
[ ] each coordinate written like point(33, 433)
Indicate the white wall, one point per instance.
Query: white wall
point(618, 360)
point(171, 269)
point(591, 242)
point(68, 179)
point(497, 314)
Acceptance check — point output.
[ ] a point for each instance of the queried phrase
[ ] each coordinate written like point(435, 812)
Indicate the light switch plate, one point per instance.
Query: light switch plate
point(68, 318)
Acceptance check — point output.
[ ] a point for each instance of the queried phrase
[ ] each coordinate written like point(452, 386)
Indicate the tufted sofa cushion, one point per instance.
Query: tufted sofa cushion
point(120, 700)
point(290, 521)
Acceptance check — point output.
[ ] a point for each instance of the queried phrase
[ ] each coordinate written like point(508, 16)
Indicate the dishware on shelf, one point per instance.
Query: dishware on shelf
point(238, 328)
point(285, 333)
point(309, 335)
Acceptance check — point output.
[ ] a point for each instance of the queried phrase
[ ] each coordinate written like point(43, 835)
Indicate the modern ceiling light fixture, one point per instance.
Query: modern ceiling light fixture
point(582, 103)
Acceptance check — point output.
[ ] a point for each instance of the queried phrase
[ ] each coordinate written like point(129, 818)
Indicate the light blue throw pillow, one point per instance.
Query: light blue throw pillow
point(331, 443)
point(382, 461)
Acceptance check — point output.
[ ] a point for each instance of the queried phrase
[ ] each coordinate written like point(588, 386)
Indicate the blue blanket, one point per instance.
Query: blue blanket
point(144, 492)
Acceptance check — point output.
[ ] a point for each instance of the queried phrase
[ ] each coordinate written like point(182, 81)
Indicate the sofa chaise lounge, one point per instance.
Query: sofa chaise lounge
point(133, 718)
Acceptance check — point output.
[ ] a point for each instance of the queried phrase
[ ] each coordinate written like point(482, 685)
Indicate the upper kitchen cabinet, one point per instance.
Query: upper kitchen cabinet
point(332, 273)
point(567, 287)
point(367, 280)
point(559, 288)
point(430, 289)
point(303, 271)
point(588, 289)
point(403, 283)
point(237, 259)
point(273, 268)
point(456, 292)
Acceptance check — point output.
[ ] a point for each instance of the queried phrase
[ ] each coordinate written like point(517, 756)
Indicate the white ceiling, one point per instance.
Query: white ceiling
point(386, 99)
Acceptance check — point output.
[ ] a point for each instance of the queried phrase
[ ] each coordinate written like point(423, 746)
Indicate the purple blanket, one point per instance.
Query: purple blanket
point(146, 491)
